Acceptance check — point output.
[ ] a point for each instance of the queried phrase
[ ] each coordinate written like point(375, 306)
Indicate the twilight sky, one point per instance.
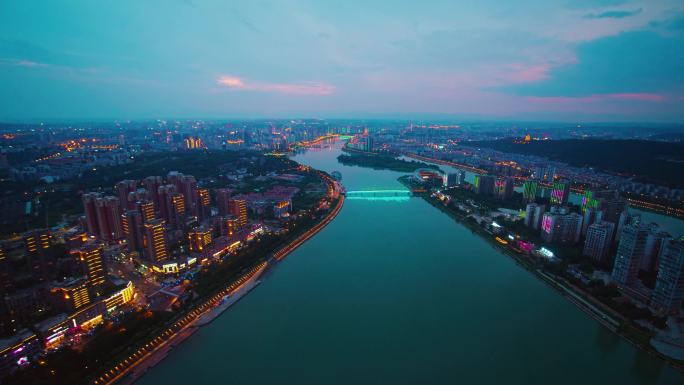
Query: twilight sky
point(566, 60)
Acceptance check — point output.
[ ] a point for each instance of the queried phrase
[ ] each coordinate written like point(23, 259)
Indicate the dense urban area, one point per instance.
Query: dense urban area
point(117, 236)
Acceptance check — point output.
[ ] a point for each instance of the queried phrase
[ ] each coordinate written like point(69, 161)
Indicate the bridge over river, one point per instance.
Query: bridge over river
point(379, 194)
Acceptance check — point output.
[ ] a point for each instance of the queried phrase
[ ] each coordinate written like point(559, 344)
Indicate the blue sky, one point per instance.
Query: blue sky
point(563, 60)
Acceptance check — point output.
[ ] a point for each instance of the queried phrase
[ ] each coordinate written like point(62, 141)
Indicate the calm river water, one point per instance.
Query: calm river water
point(396, 292)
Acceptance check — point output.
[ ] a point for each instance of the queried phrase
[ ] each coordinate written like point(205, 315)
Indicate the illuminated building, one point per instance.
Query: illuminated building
point(123, 189)
point(176, 208)
point(132, 223)
point(533, 215)
point(503, 188)
point(484, 184)
point(228, 225)
point(36, 241)
point(152, 184)
point(222, 201)
point(590, 217)
point(154, 241)
point(607, 201)
point(198, 239)
point(37, 246)
point(18, 351)
point(560, 192)
point(530, 188)
point(76, 240)
point(281, 209)
point(203, 203)
point(92, 260)
point(238, 208)
point(74, 294)
point(90, 209)
point(120, 297)
point(631, 250)
point(559, 226)
point(108, 218)
point(669, 288)
point(146, 209)
point(598, 240)
point(192, 143)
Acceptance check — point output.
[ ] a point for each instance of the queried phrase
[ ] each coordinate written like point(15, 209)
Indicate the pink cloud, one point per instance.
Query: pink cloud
point(520, 73)
point(304, 88)
point(644, 97)
point(641, 97)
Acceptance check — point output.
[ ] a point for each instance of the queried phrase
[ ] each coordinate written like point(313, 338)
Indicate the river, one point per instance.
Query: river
point(396, 292)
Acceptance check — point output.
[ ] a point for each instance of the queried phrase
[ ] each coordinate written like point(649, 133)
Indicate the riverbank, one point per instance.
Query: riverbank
point(597, 310)
point(381, 162)
point(158, 347)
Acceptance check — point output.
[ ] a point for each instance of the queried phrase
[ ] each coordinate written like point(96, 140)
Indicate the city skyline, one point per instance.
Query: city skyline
point(553, 60)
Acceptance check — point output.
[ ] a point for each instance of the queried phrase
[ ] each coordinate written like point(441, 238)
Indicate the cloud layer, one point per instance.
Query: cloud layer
point(537, 59)
point(305, 88)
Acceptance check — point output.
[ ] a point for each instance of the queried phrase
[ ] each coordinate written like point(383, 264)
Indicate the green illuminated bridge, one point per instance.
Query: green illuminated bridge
point(379, 194)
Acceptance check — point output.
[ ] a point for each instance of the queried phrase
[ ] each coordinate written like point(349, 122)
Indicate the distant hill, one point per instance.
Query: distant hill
point(648, 161)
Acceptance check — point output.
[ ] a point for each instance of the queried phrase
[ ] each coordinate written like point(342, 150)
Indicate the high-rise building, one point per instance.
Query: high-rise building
point(533, 215)
point(74, 294)
point(612, 209)
point(146, 209)
point(503, 188)
point(36, 241)
point(550, 173)
point(91, 258)
point(630, 252)
point(598, 241)
point(174, 178)
point(626, 219)
point(368, 143)
point(606, 201)
point(132, 224)
point(591, 216)
point(238, 208)
point(90, 209)
point(37, 244)
point(453, 179)
point(108, 218)
point(530, 188)
point(123, 189)
point(560, 226)
point(198, 239)
point(163, 193)
point(188, 187)
point(154, 241)
point(152, 184)
point(654, 243)
point(668, 293)
point(176, 207)
point(484, 184)
point(203, 203)
point(560, 192)
point(222, 201)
